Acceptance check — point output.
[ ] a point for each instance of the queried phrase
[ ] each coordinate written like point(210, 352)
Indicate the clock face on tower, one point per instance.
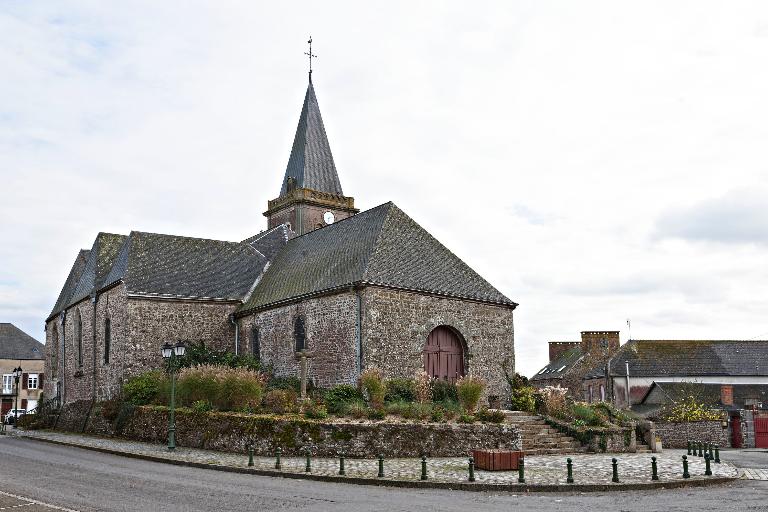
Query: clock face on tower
point(328, 217)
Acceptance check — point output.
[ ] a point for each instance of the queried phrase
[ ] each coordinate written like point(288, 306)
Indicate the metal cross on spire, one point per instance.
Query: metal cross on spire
point(310, 54)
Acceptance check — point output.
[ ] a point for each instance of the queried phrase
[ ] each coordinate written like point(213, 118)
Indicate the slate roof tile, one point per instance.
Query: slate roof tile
point(70, 284)
point(16, 344)
point(561, 365)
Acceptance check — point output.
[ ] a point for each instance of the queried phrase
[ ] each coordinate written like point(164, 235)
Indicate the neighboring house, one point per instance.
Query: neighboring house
point(569, 361)
point(354, 290)
point(744, 405)
point(18, 349)
point(701, 361)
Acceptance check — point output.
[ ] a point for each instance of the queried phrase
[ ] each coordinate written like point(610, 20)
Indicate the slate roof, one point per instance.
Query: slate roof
point(710, 393)
point(311, 161)
point(269, 242)
point(561, 365)
point(16, 344)
point(184, 267)
point(70, 284)
point(381, 246)
point(101, 257)
point(681, 358)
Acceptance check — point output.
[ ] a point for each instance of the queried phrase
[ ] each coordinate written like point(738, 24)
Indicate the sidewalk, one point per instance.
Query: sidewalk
point(542, 472)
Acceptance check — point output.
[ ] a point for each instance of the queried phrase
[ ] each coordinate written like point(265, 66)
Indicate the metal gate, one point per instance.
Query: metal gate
point(444, 355)
point(761, 432)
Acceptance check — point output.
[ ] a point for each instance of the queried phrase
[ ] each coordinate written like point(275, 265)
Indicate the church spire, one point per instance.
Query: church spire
point(311, 163)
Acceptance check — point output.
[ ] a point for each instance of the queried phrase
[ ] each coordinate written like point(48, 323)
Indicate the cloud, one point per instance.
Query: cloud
point(738, 217)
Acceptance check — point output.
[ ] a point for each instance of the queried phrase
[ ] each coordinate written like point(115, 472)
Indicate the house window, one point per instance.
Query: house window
point(107, 339)
point(32, 381)
point(79, 338)
point(7, 384)
point(602, 393)
point(299, 335)
point(255, 343)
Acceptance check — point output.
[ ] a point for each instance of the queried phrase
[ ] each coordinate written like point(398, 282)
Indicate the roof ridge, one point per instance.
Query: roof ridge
point(186, 237)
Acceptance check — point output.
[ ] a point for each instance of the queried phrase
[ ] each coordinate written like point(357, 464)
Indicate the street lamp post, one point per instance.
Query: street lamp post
point(17, 372)
point(170, 353)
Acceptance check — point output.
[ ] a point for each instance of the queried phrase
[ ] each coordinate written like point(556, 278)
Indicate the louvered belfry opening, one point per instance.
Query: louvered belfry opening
point(444, 354)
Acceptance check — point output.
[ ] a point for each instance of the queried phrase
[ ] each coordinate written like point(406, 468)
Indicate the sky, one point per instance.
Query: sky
point(595, 161)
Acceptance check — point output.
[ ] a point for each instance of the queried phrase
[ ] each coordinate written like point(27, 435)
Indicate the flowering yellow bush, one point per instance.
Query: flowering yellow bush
point(691, 409)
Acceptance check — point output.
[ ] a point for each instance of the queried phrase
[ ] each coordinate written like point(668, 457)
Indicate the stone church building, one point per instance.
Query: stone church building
point(354, 289)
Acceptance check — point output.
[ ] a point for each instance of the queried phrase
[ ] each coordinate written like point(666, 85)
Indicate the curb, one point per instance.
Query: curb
point(415, 484)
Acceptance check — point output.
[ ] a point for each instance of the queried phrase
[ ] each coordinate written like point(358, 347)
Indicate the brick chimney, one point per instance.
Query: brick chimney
point(557, 348)
point(726, 394)
point(598, 342)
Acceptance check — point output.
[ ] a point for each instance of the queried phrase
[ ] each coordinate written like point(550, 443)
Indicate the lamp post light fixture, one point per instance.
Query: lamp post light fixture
point(17, 372)
point(170, 353)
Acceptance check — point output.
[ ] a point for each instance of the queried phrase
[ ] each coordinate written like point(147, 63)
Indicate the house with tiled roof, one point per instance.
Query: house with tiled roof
point(351, 290)
point(20, 350)
point(639, 363)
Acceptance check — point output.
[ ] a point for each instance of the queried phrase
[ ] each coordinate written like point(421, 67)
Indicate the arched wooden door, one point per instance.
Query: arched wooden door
point(444, 354)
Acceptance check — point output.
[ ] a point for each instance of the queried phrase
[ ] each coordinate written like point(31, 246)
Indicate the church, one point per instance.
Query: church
point(352, 290)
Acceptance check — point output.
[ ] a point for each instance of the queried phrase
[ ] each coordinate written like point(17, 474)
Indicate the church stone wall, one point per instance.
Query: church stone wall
point(330, 326)
point(111, 304)
point(78, 384)
point(152, 322)
point(396, 324)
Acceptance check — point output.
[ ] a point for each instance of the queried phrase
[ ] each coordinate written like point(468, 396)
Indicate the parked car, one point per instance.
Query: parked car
point(11, 416)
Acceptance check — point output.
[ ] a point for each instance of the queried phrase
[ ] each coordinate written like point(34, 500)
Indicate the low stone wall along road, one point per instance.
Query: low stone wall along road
point(87, 481)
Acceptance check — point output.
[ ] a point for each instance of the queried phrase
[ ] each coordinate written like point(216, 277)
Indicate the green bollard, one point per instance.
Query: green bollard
point(711, 451)
point(615, 464)
point(381, 466)
point(342, 472)
point(471, 469)
point(521, 471)
point(686, 474)
point(279, 452)
point(707, 468)
point(569, 464)
point(250, 456)
point(654, 470)
point(717, 454)
point(689, 447)
point(308, 467)
point(423, 467)
point(701, 445)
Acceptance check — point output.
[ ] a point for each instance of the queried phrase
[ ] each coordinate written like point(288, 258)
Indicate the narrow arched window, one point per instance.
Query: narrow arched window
point(255, 343)
point(107, 339)
point(54, 351)
point(79, 338)
point(299, 334)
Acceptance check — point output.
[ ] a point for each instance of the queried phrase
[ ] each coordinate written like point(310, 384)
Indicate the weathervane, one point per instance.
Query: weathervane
point(310, 54)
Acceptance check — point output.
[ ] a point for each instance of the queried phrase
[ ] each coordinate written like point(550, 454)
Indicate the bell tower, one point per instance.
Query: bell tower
point(311, 196)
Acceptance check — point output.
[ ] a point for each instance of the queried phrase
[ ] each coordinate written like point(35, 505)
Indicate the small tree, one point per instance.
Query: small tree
point(372, 384)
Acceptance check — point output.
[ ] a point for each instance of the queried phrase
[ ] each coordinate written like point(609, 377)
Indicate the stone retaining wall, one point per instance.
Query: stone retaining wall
point(232, 432)
point(599, 439)
point(676, 435)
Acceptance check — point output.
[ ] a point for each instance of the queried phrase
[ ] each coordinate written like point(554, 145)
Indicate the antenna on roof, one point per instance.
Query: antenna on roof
point(629, 329)
point(310, 54)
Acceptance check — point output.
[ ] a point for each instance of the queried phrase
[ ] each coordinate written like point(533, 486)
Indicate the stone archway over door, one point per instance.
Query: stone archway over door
point(444, 354)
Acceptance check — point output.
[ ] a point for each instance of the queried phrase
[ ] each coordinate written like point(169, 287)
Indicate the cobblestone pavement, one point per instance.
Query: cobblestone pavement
point(542, 469)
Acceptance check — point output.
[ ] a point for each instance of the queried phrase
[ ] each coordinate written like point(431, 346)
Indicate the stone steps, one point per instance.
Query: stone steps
point(538, 438)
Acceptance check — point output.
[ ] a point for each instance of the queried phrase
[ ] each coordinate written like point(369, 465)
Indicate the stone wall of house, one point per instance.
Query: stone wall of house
point(677, 435)
point(330, 338)
point(78, 381)
point(396, 324)
point(152, 322)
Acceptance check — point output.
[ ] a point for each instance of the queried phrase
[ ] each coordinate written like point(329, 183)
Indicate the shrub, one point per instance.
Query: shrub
point(337, 397)
point(691, 409)
point(422, 384)
point(490, 416)
point(523, 399)
point(199, 354)
point(280, 401)
point(293, 383)
point(443, 390)
point(402, 409)
point(553, 402)
point(145, 388)
point(314, 410)
point(588, 415)
point(376, 413)
point(466, 418)
point(201, 406)
point(356, 409)
point(400, 390)
point(372, 384)
point(438, 414)
point(469, 390)
point(225, 388)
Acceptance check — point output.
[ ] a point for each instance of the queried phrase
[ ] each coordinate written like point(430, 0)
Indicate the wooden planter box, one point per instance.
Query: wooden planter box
point(497, 460)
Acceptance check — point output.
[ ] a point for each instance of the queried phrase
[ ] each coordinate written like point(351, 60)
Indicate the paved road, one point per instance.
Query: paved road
point(90, 481)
